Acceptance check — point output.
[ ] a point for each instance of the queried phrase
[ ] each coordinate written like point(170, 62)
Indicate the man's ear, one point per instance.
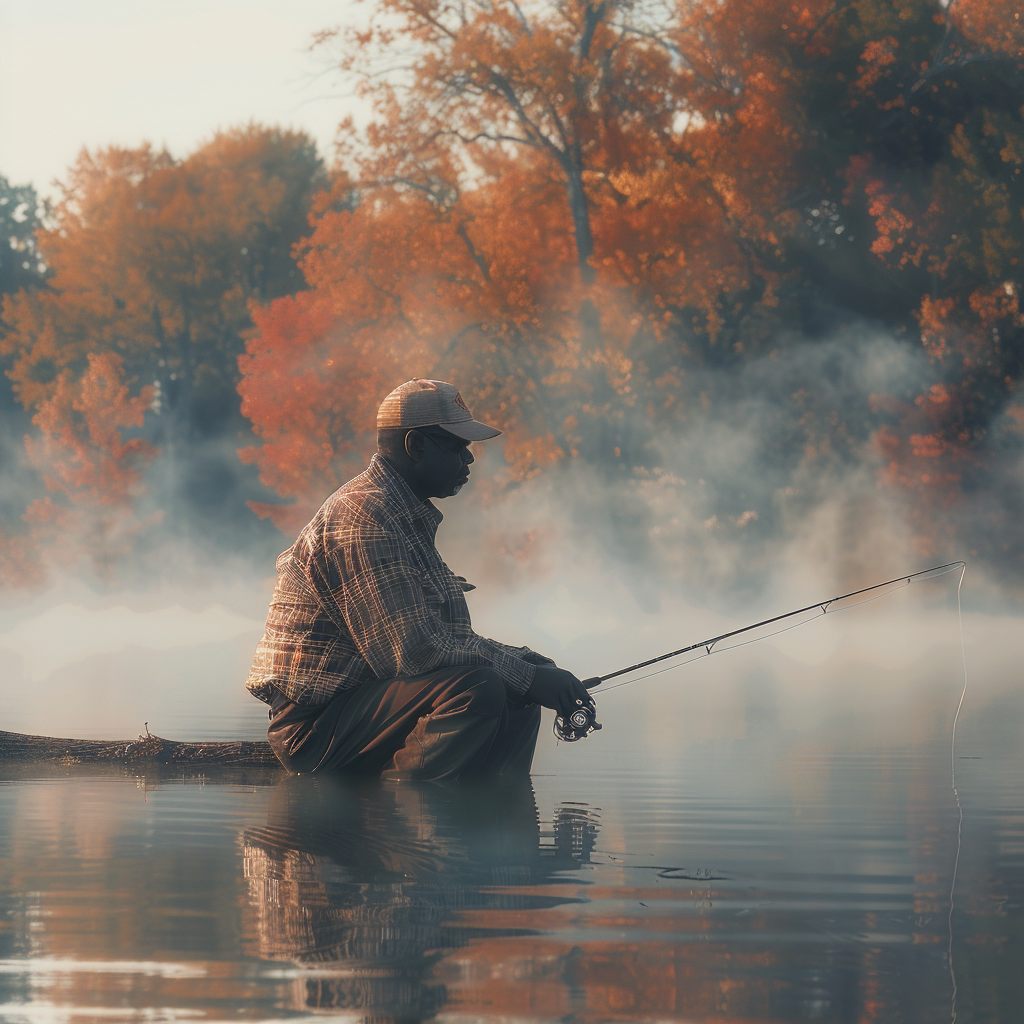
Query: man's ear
point(415, 442)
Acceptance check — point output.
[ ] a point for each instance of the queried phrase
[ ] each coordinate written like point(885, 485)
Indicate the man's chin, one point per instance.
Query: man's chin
point(455, 488)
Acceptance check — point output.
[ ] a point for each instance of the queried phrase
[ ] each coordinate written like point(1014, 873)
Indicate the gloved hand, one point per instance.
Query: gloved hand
point(559, 689)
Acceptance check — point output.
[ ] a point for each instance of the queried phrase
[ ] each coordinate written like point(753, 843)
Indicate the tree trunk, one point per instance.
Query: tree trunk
point(581, 221)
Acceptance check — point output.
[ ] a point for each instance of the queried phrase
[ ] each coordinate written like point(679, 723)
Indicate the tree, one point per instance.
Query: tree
point(20, 217)
point(921, 105)
point(157, 260)
point(153, 263)
point(83, 455)
point(559, 205)
point(21, 267)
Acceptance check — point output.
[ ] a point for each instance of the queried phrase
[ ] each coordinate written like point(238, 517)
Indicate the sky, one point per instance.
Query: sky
point(122, 72)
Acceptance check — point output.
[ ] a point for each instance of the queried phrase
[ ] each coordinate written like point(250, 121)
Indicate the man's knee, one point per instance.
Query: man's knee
point(484, 690)
point(525, 720)
point(532, 714)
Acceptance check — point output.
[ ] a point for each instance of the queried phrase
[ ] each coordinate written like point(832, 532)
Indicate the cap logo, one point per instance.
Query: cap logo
point(459, 402)
point(427, 385)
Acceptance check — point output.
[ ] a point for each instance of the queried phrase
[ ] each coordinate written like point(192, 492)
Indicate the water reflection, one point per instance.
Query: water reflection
point(752, 880)
point(367, 887)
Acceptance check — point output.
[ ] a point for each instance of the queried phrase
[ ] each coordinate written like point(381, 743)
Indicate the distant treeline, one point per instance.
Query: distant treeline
point(593, 216)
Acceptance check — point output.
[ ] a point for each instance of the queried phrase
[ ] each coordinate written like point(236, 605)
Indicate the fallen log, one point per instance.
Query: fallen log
point(149, 749)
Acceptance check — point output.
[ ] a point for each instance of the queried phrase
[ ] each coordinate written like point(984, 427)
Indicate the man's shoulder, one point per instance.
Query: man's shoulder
point(365, 506)
point(364, 511)
point(364, 499)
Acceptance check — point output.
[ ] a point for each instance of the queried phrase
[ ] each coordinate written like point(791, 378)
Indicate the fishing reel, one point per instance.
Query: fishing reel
point(582, 722)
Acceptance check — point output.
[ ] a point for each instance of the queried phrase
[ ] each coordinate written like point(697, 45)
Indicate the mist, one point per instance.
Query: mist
point(736, 518)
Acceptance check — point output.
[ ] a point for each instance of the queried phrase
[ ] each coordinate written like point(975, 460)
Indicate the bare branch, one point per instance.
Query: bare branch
point(504, 88)
point(476, 255)
point(522, 18)
point(671, 47)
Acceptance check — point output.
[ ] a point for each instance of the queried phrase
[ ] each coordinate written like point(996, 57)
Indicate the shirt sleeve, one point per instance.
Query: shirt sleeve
point(522, 652)
point(369, 586)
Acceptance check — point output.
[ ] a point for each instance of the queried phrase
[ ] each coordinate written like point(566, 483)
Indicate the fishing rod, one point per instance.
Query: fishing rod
point(582, 722)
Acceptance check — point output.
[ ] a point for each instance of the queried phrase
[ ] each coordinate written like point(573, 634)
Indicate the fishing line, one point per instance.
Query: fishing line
point(717, 650)
point(956, 795)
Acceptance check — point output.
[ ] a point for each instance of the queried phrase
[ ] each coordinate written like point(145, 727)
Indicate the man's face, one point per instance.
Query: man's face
point(443, 465)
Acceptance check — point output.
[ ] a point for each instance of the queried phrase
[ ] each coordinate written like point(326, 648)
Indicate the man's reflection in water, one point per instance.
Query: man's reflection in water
point(363, 883)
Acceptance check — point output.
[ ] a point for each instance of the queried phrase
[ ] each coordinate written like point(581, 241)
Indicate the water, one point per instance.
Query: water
point(741, 881)
point(766, 837)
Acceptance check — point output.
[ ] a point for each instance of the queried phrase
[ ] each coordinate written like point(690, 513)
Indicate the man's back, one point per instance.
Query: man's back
point(363, 594)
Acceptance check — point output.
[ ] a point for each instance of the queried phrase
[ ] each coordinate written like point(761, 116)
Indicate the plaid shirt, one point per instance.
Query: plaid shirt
point(363, 595)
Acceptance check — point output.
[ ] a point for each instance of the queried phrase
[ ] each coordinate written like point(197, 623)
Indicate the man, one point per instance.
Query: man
point(369, 662)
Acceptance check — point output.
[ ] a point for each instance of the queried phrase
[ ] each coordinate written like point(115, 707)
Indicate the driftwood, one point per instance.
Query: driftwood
point(16, 747)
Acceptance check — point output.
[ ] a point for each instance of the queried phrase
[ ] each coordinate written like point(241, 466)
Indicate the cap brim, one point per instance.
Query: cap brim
point(470, 430)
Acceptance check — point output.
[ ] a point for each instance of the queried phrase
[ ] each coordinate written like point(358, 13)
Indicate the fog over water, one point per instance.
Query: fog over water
point(888, 672)
point(736, 517)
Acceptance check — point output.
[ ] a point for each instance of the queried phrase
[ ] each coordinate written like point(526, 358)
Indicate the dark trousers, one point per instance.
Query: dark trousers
point(450, 723)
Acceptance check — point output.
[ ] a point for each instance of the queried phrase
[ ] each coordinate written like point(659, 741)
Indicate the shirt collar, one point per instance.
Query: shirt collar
point(400, 493)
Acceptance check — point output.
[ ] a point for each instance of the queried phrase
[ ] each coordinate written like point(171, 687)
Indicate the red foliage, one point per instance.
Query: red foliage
point(552, 198)
point(81, 451)
point(84, 457)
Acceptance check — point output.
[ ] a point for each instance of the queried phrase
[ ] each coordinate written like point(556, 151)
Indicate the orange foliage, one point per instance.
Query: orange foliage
point(83, 456)
point(877, 56)
point(82, 452)
point(153, 262)
point(996, 25)
point(553, 200)
point(156, 259)
point(954, 225)
point(19, 562)
point(564, 207)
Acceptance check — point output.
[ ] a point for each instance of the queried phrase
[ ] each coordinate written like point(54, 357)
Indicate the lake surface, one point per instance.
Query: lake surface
point(757, 878)
point(767, 836)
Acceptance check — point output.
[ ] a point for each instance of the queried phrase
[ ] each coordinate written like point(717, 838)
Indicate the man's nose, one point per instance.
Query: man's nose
point(467, 456)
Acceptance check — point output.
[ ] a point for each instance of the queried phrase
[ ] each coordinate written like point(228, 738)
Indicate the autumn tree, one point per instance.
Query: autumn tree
point(21, 267)
point(591, 215)
point(81, 451)
point(918, 115)
point(153, 264)
point(562, 205)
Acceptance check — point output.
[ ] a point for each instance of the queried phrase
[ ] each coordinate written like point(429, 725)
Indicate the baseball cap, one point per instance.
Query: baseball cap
point(431, 403)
